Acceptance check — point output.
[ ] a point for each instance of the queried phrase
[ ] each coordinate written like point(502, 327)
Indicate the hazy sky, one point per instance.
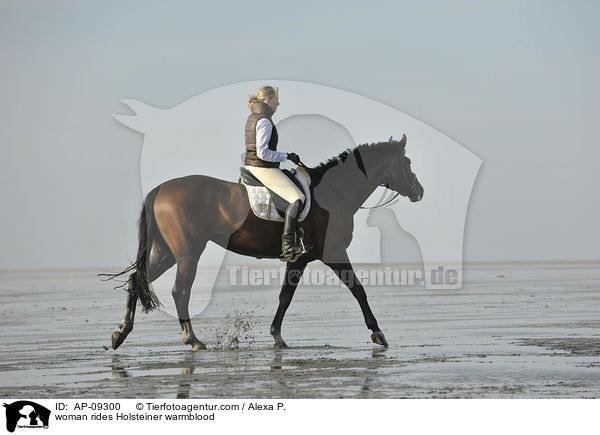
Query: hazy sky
point(514, 82)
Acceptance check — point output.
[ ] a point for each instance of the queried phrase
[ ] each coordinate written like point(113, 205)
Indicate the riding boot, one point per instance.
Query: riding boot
point(290, 242)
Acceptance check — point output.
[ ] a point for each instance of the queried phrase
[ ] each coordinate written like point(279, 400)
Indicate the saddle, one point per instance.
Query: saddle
point(266, 204)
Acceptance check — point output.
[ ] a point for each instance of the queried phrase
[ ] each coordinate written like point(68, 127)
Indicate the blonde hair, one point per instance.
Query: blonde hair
point(262, 94)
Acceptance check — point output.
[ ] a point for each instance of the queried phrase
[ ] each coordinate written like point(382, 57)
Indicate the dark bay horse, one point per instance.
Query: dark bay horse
point(180, 216)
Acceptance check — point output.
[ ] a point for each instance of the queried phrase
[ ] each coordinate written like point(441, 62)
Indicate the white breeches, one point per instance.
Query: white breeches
point(277, 181)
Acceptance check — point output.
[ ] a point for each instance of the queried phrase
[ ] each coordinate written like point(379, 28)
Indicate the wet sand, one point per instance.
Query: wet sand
point(512, 331)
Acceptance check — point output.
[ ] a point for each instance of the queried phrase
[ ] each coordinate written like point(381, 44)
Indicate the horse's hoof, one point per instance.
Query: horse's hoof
point(379, 338)
point(117, 339)
point(280, 345)
point(198, 345)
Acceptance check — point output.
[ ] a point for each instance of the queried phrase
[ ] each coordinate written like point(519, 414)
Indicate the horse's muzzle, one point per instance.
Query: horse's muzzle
point(416, 198)
point(415, 191)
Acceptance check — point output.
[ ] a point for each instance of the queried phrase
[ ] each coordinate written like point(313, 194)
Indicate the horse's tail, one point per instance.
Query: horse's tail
point(138, 284)
point(147, 230)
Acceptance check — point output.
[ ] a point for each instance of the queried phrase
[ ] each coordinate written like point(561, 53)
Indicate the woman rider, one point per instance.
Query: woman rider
point(263, 159)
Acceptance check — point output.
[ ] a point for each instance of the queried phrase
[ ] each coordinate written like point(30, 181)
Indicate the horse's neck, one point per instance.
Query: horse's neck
point(354, 187)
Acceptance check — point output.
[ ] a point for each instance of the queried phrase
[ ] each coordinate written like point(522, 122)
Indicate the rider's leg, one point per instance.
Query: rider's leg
point(276, 181)
point(290, 243)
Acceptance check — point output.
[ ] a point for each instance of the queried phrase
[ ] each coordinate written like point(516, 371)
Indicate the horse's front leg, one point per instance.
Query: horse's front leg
point(186, 272)
point(293, 274)
point(343, 269)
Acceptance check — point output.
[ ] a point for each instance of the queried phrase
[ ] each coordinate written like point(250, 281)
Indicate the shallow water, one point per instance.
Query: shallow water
point(524, 331)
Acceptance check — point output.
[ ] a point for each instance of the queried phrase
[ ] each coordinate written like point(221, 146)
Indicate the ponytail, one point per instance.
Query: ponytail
point(262, 94)
point(251, 100)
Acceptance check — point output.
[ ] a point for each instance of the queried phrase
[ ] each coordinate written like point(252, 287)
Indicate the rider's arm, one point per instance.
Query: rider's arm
point(263, 136)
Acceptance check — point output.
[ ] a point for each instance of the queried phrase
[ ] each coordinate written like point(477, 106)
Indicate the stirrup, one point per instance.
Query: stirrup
point(295, 252)
point(292, 259)
point(294, 255)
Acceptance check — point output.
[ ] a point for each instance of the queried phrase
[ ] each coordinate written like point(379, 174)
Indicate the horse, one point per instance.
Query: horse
point(181, 215)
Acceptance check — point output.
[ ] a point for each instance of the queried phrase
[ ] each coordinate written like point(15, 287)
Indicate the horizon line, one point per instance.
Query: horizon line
point(464, 264)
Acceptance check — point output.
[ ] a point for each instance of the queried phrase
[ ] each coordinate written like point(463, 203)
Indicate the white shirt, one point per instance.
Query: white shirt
point(263, 136)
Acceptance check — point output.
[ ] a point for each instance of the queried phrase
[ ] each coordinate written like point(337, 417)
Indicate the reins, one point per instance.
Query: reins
point(300, 163)
point(381, 205)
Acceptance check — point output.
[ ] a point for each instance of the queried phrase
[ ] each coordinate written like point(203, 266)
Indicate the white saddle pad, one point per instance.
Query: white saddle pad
point(262, 204)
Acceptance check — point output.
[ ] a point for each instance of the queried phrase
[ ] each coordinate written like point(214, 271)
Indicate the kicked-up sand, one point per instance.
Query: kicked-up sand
point(512, 331)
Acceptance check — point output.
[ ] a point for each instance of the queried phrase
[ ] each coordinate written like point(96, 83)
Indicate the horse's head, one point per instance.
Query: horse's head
point(399, 175)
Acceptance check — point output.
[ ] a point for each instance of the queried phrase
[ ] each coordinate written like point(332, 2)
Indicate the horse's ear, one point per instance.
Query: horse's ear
point(391, 139)
point(402, 142)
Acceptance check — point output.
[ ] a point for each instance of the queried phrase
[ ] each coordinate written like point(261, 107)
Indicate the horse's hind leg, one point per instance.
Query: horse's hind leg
point(126, 325)
point(186, 272)
point(161, 260)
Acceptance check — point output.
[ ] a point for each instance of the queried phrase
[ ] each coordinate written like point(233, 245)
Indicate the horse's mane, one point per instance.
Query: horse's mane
point(318, 171)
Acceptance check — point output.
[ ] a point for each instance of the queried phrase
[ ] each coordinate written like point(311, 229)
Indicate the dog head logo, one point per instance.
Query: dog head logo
point(26, 414)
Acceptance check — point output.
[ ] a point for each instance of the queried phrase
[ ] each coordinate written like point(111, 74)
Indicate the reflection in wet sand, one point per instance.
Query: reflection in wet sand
point(118, 370)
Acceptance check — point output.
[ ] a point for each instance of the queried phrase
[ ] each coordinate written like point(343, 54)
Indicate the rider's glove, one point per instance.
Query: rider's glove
point(294, 158)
